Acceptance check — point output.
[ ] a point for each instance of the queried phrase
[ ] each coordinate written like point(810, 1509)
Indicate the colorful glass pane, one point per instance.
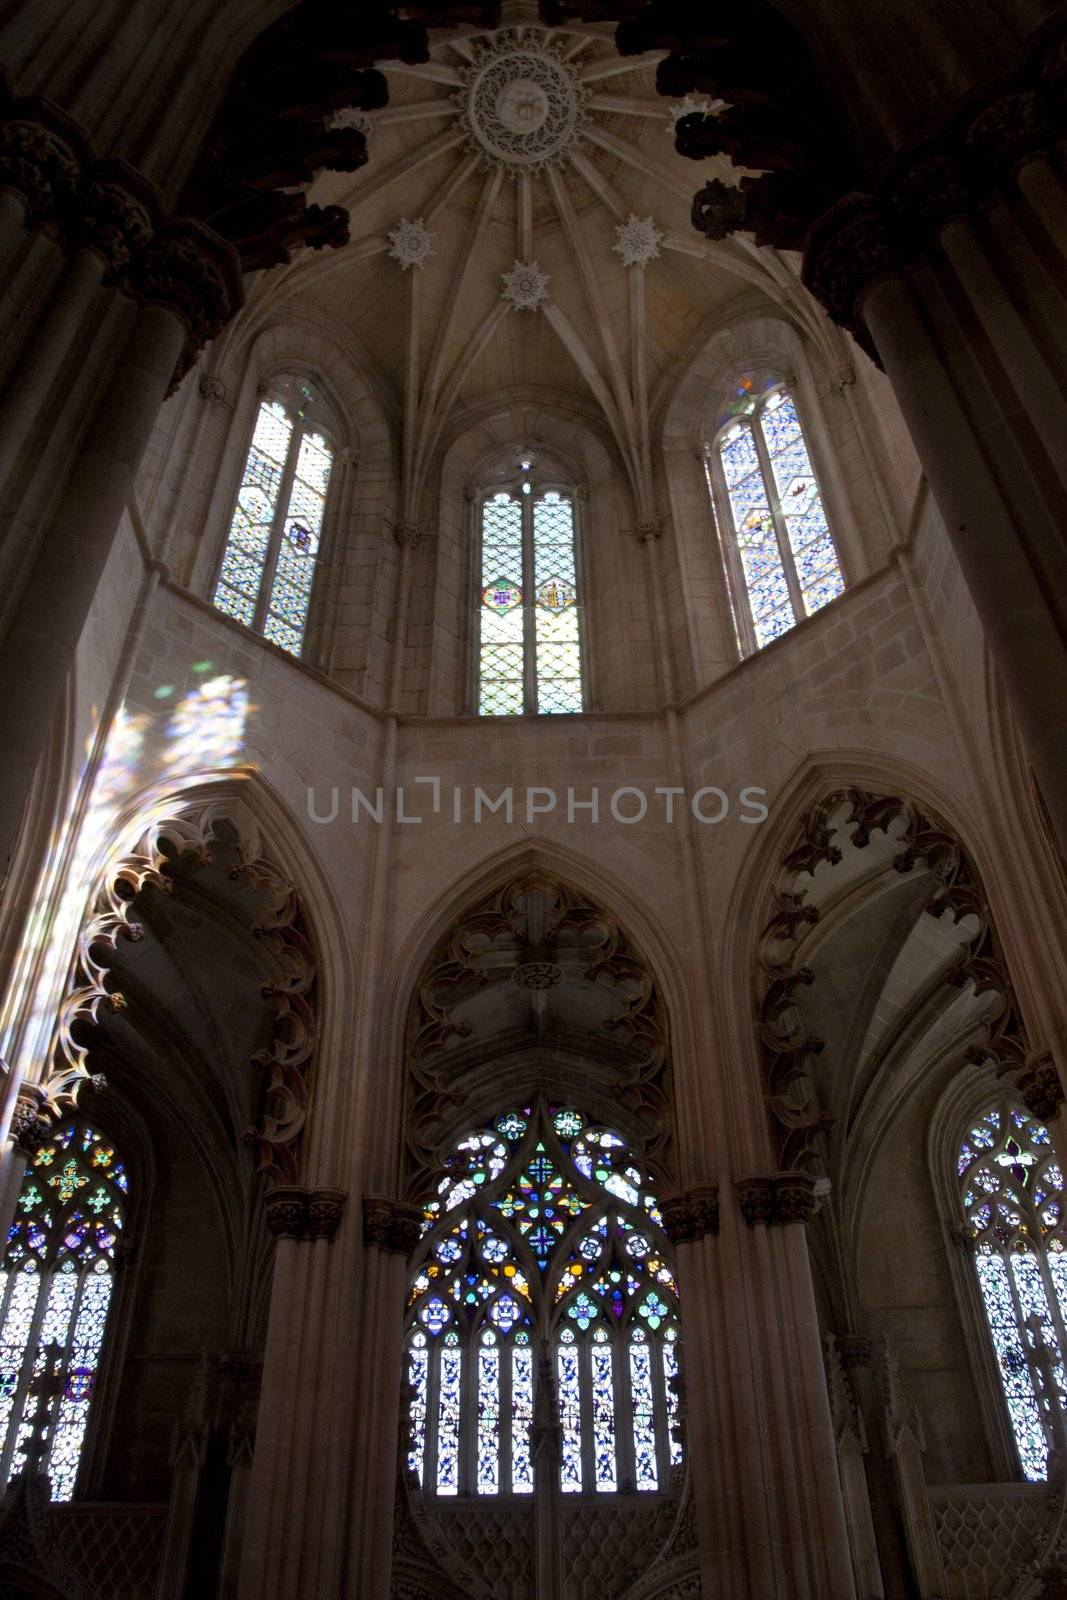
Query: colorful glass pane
point(785, 552)
point(529, 634)
point(488, 1416)
point(502, 1265)
point(1011, 1190)
point(272, 543)
point(55, 1292)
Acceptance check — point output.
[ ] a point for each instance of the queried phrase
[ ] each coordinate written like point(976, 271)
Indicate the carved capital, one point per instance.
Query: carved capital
point(391, 1224)
point(29, 1128)
point(287, 1212)
point(212, 389)
point(649, 528)
point(114, 221)
point(407, 534)
point(692, 1214)
point(929, 192)
point(851, 247)
point(777, 1198)
point(194, 274)
point(1012, 128)
point(1039, 1084)
point(325, 1207)
point(39, 165)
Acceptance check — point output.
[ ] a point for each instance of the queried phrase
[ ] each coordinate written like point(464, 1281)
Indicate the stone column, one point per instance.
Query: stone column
point(277, 1559)
point(798, 1487)
point(953, 271)
point(390, 1232)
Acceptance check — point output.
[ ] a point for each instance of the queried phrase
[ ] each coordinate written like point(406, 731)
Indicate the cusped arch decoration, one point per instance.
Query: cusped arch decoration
point(917, 841)
point(171, 849)
point(539, 981)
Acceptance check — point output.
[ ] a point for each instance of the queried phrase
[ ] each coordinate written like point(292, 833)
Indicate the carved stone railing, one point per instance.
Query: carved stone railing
point(991, 1535)
point(85, 1550)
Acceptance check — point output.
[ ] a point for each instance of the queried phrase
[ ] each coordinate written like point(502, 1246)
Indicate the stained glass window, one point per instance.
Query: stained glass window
point(55, 1290)
point(780, 557)
point(529, 616)
point(1011, 1188)
point(543, 1281)
point(269, 562)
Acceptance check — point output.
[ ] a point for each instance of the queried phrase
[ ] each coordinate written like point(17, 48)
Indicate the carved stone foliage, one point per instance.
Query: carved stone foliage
point(921, 843)
point(391, 1224)
point(104, 205)
point(297, 1213)
point(777, 1198)
point(180, 848)
point(691, 1215)
point(537, 976)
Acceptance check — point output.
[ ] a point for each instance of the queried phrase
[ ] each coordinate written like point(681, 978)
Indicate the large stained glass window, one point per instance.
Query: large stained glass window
point(543, 1281)
point(530, 628)
point(1012, 1193)
point(269, 562)
point(55, 1290)
point(779, 553)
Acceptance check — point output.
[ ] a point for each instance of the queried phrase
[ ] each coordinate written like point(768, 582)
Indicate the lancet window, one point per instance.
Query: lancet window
point(268, 565)
point(529, 612)
point(781, 561)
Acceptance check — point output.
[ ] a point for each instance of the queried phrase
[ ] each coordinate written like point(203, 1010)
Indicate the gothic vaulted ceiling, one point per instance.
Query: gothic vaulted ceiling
point(524, 219)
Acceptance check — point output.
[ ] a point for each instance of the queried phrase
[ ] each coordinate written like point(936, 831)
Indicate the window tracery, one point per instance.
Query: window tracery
point(55, 1290)
point(1011, 1190)
point(268, 566)
point(529, 612)
point(781, 561)
point(544, 1275)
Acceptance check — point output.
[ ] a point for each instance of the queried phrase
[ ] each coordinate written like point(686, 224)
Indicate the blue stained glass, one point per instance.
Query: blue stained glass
point(568, 1385)
point(645, 1470)
point(419, 1378)
point(472, 1291)
point(522, 1481)
point(448, 1415)
point(1011, 1190)
point(603, 1408)
point(488, 1416)
point(55, 1289)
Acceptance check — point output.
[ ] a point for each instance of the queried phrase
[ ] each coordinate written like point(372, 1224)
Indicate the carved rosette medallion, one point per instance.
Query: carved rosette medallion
point(522, 105)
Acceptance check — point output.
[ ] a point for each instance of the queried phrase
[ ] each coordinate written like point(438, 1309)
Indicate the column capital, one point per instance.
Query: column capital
point(1038, 1081)
point(287, 1211)
point(692, 1214)
point(649, 529)
point(294, 1212)
point(393, 1225)
point(325, 1208)
point(777, 1198)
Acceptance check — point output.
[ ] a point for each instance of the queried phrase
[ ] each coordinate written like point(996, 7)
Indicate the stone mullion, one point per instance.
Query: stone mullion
point(529, 608)
point(277, 529)
point(781, 526)
point(731, 551)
